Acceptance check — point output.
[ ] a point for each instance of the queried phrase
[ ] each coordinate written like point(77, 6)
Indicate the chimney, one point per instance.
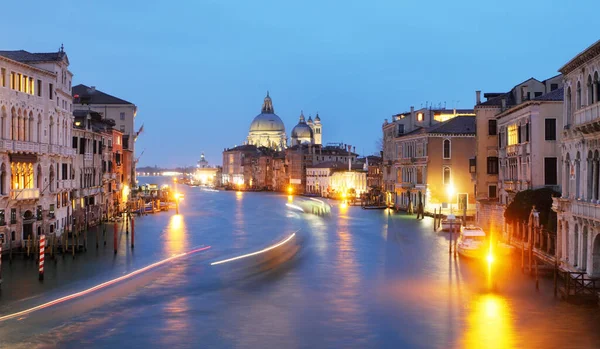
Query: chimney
point(412, 112)
point(503, 103)
point(478, 96)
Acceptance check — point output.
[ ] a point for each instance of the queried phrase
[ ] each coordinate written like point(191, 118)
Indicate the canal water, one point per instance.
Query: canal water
point(362, 279)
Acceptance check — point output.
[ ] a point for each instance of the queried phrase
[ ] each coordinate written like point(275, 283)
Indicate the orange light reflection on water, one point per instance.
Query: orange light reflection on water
point(176, 240)
point(489, 323)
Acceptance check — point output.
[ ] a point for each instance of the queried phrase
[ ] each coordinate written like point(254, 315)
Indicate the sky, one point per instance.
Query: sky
point(198, 70)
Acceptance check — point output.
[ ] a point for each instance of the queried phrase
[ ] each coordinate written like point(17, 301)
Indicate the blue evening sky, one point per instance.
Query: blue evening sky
point(199, 70)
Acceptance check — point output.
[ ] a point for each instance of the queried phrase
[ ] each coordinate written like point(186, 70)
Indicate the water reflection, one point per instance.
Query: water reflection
point(175, 236)
point(489, 323)
point(177, 321)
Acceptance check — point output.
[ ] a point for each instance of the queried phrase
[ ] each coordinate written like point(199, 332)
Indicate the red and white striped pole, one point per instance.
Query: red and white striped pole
point(42, 252)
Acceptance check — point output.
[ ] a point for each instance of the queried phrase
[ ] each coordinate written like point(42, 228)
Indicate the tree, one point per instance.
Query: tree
point(520, 208)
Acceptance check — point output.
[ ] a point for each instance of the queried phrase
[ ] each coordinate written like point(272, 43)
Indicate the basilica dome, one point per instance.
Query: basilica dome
point(302, 130)
point(267, 129)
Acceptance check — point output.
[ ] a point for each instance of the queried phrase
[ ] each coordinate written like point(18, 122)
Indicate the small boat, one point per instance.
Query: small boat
point(472, 242)
point(148, 208)
point(456, 224)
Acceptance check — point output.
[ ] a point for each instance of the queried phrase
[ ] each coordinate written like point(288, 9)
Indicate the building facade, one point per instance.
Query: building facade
point(267, 129)
point(492, 192)
point(578, 208)
point(122, 112)
point(36, 159)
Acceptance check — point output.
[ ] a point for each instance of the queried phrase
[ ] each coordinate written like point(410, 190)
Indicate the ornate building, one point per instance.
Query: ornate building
point(306, 132)
point(267, 129)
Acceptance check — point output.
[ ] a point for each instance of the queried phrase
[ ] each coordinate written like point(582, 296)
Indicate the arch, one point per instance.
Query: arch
point(584, 239)
point(13, 124)
point(596, 87)
point(2, 122)
point(578, 95)
point(576, 245)
point(578, 175)
point(447, 149)
point(567, 176)
point(51, 184)
point(3, 178)
point(39, 178)
point(590, 91)
point(569, 106)
point(596, 256)
point(446, 175)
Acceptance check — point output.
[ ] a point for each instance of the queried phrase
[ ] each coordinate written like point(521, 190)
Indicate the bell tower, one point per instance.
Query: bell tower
point(317, 128)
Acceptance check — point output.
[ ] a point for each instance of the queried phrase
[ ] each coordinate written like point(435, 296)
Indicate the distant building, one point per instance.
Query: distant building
point(318, 177)
point(267, 129)
point(204, 174)
point(578, 209)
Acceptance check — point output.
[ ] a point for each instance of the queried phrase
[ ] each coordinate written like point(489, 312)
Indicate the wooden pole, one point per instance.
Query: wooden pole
point(97, 236)
point(132, 232)
point(115, 228)
point(104, 232)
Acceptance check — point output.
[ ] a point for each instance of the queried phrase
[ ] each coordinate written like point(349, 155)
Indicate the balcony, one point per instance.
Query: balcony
point(26, 147)
point(25, 194)
point(512, 150)
point(561, 204)
point(88, 157)
point(587, 116)
point(582, 209)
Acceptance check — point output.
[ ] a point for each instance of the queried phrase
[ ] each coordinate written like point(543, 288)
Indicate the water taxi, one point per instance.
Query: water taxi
point(472, 242)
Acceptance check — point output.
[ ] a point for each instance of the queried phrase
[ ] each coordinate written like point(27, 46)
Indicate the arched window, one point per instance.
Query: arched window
point(13, 124)
point(446, 177)
point(2, 122)
point(596, 87)
point(39, 128)
point(569, 106)
point(3, 180)
point(578, 176)
point(446, 149)
point(30, 127)
point(39, 182)
point(567, 177)
point(578, 101)
point(590, 91)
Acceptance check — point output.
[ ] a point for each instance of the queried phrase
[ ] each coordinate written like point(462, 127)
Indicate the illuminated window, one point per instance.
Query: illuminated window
point(446, 175)
point(419, 116)
point(513, 134)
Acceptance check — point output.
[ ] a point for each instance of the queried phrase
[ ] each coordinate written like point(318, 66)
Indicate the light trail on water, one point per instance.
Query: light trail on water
point(102, 285)
point(257, 252)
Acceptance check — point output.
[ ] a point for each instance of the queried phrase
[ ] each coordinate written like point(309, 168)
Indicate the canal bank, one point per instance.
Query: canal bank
point(365, 279)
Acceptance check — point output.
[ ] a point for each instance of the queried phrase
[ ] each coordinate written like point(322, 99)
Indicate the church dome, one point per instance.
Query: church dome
point(302, 130)
point(267, 120)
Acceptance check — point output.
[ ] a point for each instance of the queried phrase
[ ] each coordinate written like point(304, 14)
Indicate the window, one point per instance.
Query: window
point(527, 132)
point(50, 91)
point(82, 146)
point(13, 216)
point(446, 177)
point(2, 218)
point(65, 169)
point(122, 116)
point(74, 142)
point(94, 148)
point(473, 165)
point(512, 134)
point(492, 129)
point(492, 165)
point(51, 210)
point(39, 88)
point(519, 138)
point(550, 174)
point(38, 213)
point(492, 191)
point(122, 128)
point(550, 129)
point(446, 149)
point(537, 94)
point(419, 116)
point(553, 87)
point(400, 129)
point(3, 78)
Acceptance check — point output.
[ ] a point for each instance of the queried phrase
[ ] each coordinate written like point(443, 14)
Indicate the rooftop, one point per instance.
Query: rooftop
point(28, 57)
point(90, 95)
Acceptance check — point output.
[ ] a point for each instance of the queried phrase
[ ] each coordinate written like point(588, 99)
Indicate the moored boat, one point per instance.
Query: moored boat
point(456, 224)
point(472, 242)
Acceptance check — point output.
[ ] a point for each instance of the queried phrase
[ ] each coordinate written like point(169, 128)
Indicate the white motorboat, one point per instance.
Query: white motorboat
point(472, 242)
point(456, 224)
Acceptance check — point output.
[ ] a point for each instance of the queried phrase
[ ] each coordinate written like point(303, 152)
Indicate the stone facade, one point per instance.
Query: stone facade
point(578, 209)
point(36, 159)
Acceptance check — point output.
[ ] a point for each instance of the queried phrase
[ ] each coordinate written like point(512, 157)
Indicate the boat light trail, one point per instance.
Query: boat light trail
point(102, 285)
point(295, 207)
point(257, 252)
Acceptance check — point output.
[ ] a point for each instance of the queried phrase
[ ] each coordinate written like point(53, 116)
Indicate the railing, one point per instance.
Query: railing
point(512, 150)
point(587, 114)
point(579, 283)
point(88, 157)
point(24, 146)
point(543, 241)
point(25, 194)
point(585, 209)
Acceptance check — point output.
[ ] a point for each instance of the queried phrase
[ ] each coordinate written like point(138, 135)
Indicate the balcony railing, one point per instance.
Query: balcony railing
point(587, 114)
point(25, 194)
point(585, 209)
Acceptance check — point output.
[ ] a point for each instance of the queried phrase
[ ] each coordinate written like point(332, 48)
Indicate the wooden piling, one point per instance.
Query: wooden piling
point(97, 237)
point(537, 280)
point(132, 232)
point(126, 223)
point(28, 245)
point(115, 228)
point(104, 232)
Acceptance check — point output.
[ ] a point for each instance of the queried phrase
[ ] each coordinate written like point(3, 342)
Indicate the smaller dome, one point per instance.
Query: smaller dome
point(302, 130)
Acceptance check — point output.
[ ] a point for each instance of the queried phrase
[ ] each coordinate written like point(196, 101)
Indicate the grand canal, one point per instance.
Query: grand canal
point(362, 279)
